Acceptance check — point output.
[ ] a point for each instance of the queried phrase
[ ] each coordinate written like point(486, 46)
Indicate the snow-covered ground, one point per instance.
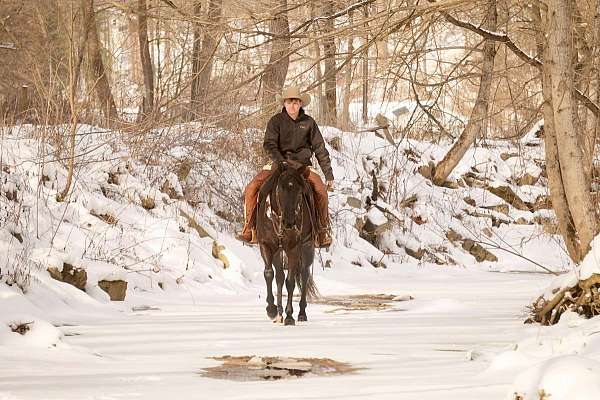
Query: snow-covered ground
point(438, 345)
point(194, 292)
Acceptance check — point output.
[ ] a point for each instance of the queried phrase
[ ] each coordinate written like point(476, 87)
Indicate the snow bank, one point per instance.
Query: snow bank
point(561, 378)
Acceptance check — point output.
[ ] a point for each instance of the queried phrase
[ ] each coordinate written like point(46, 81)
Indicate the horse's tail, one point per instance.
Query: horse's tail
point(312, 292)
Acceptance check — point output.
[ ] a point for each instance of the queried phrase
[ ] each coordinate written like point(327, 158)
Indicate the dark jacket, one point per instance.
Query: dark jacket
point(298, 139)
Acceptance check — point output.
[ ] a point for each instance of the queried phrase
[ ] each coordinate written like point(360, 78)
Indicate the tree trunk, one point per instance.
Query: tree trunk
point(560, 53)
point(279, 60)
point(147, 69)
point(196, 67)
point(330, 110)
point(553, 170)
point(365, 71)
point(203, 55)
point(101, 84)
point(318, 72)
point(345, 115)
point(582, 59)
point(476, 125)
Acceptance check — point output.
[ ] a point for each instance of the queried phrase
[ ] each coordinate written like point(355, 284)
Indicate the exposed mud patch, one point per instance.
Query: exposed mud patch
point(254, 368)
point(362, 302)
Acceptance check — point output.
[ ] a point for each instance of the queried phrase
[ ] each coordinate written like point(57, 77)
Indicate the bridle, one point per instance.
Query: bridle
point(277, 222)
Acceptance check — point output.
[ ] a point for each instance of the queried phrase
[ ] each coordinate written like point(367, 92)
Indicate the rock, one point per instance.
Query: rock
point(408, 201)
point(427, 170)
point(412, 155)
point(501, 208)
point(470, 201)
point(17, 236)
point(55, 273)
point(148, 203)
point(169, 190)
point(415, 254)
point(75, 276)
point(354, 202)
point(506, 156)
point(507, 194)
point(336, 143)
point(417, 219)
point(109, 219)
point(194, 225)
point(113, 178)
point(523, 221)
point(183, 169)
point(376, 221)
point(548, 224)
point(217, 252)
point(453, 236)
point(116, 289)
point(478, 251)
point(473, 180)
point(541, 203)
point(450, 184)
point(527, 179)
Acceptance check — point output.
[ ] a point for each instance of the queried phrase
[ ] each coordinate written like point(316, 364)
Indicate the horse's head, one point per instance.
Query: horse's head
point(290, 189)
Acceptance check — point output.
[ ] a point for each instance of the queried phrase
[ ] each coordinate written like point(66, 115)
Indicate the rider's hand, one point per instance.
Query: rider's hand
point(330, 185)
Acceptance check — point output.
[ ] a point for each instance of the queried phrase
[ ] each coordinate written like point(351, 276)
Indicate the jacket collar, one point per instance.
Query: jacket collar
point(301, 114)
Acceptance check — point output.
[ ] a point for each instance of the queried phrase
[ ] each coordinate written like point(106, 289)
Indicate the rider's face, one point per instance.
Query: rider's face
point(292, 106)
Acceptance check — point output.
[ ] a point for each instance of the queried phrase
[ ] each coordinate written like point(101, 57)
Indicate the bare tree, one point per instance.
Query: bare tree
point(147, 68)
point(202, 57)
point(476, 125)
point(101, 84)
point(330, 75)
point(279, 60)
point(571, 159)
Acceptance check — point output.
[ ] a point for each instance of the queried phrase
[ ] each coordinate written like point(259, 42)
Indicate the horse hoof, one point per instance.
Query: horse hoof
point(302, 318)
point(279, 319)
point(271, 311)
point(289, 321)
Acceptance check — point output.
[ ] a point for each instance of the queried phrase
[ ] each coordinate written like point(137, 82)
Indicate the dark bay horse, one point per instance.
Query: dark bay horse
point(285, 232)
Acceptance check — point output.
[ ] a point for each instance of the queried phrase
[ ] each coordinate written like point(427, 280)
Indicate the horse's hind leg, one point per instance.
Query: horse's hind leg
point(307, 284)
point(279, 279)
point(267, 255)
point(304, 277)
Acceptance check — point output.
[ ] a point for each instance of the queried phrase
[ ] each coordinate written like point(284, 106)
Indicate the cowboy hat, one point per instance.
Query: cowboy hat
point(293, 92)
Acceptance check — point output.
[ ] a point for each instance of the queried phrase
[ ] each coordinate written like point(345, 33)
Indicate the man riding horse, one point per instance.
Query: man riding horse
point(292, 137)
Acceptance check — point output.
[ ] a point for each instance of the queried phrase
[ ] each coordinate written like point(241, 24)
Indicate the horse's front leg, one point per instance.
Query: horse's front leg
point(302, 314)
point(280, 279)
point(268, 273)
point(290, 284)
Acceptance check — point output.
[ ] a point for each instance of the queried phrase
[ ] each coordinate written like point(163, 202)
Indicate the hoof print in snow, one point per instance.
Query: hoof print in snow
point(254, 368)
point(75, 276)
point(116, 289)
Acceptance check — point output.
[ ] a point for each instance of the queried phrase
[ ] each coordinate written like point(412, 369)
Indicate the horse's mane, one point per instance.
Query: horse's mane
point(269, 187)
